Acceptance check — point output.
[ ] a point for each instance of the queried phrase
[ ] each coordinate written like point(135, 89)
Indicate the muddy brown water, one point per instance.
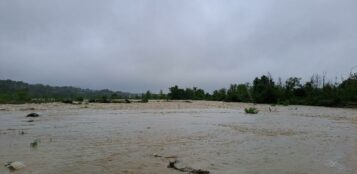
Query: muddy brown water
point(290, 140)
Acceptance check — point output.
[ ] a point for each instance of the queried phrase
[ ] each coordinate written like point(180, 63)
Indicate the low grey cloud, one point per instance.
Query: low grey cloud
point(150, 45)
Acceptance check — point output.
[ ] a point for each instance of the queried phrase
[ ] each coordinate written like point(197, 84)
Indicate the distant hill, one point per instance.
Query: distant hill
point(18, 91)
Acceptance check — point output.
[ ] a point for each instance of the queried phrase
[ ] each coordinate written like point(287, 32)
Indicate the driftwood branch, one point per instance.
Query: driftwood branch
point(172, 164)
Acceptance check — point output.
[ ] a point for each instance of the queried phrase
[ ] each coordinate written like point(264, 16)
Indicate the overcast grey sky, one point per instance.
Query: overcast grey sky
point(135, 45)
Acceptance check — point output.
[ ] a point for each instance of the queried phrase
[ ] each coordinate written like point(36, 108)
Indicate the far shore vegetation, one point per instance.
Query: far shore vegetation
point(317, 92)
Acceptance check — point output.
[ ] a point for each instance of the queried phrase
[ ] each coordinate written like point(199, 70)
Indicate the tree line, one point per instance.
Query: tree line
point(18, 92)
point(263, 89)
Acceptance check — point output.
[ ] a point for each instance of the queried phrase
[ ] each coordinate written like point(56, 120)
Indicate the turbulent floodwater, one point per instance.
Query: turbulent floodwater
point(288, 140)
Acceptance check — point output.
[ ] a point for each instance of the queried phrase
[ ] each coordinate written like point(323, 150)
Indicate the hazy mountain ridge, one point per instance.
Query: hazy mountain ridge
point(10, 89)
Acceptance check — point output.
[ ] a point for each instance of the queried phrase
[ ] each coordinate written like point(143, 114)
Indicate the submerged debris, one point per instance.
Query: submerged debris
point(34, 143)
point(33, 115)
point(273, 109)
point(172, 165)
point(15, 165)
point(27, 109)
point(160, 156)
point(156, 155)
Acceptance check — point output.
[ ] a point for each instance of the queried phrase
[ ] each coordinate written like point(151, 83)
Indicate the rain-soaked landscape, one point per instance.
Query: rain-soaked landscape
point(144, 137)
point(178, 87)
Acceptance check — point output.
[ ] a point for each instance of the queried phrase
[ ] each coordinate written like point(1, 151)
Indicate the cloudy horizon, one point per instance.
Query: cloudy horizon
point(140, 45)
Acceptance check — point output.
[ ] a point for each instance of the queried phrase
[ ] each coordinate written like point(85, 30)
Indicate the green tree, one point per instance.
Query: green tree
point(243, 93)
point(176, 93)
point(219, 95)
point(264, 90)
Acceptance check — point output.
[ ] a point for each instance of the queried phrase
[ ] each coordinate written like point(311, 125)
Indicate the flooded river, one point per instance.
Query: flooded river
point(219, 138)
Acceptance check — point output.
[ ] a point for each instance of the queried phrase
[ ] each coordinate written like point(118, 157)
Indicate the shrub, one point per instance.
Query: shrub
point(34, 143)
point(284, 103)
point(67, 101)
point(251, 110)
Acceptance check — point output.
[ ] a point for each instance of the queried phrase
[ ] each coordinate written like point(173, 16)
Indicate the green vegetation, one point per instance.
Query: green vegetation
point(145, 97)
point(263, 90)
point(315, 92)
point(251, 110)
point(19, 92)
point(177, 93)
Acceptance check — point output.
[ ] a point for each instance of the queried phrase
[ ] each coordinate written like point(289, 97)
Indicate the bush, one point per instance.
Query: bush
point(67, 101)
point(284, 103)
point(251, 110)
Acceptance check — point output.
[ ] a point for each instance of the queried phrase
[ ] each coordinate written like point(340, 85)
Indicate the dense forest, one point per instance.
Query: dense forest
point(263, 89)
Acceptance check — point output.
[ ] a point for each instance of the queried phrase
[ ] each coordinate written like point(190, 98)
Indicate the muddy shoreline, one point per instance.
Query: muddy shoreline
point(214, 136)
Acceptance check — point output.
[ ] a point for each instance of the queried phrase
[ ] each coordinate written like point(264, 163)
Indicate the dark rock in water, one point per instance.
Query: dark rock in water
point(172, 164)
point(33, 115)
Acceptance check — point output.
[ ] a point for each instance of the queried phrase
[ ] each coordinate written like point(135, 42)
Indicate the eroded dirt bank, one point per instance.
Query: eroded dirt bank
point(215, 136)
